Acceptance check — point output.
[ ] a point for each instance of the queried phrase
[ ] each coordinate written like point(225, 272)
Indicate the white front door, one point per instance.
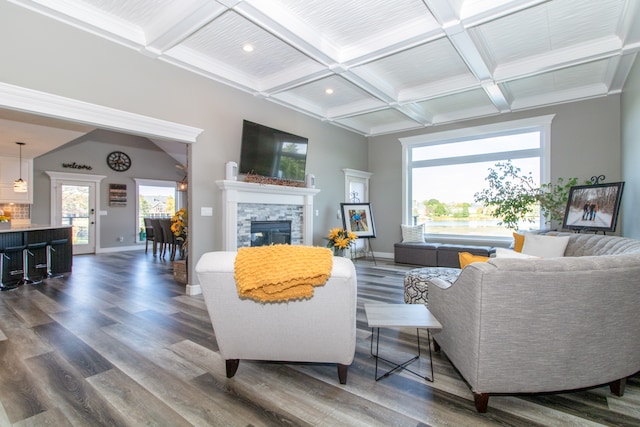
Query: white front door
point(74, 202)
point(77, 207)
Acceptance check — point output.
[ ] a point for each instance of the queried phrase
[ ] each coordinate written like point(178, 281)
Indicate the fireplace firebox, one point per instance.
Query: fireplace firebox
point(270, 232)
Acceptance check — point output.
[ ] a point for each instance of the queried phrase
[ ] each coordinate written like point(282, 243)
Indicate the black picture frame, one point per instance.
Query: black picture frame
point(358, 218)
point(593, 207)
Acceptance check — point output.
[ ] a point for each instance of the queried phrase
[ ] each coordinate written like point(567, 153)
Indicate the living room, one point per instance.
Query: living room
point(595, 134)
point(599, 131)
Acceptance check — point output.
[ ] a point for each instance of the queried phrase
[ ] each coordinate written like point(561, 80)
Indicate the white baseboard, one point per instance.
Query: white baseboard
point(193, 290)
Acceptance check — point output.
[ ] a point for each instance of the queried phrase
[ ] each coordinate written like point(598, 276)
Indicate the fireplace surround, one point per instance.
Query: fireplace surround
point(243, 202)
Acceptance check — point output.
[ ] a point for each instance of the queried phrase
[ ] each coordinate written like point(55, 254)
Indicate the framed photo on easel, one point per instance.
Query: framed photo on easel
point(593, 207)
point(358, 218)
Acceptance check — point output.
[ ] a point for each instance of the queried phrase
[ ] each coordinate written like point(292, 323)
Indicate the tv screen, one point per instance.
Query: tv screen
point(271, 152)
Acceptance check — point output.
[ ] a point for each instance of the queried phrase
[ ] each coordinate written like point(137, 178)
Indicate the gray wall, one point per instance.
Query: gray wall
point(585, 141)
point(630, 119)
point(147, 162)
point(48, 56)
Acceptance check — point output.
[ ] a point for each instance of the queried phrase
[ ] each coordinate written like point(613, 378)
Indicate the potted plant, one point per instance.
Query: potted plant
point(180, 229)
point(514, 194)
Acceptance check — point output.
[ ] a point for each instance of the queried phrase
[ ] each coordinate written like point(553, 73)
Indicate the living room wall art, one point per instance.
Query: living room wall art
point(593, 207)
point(358, 218)
point(117, 194)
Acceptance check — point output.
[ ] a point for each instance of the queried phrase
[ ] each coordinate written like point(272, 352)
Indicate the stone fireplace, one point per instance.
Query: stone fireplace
point(247, 202)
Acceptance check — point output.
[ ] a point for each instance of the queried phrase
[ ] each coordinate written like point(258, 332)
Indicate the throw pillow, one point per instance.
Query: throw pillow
point(545, 246)
point(412, 233)
point(518, 241)
point(467, 258)
point(509, 253)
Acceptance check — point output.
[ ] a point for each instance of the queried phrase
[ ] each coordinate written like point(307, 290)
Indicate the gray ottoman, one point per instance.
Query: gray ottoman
point(415, 282)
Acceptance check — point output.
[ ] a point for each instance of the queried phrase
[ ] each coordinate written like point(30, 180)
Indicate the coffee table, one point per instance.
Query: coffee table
point(400, 316)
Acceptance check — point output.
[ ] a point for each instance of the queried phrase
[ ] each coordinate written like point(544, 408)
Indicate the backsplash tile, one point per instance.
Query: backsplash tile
point(17, 211)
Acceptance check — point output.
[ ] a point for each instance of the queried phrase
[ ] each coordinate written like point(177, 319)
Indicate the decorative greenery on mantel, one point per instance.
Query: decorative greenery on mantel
point(514, 194)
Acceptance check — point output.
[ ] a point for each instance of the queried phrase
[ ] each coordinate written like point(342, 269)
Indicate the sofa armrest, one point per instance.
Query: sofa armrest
point(457, 306)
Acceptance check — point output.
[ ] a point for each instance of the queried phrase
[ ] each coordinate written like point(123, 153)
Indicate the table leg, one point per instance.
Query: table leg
point(400, 366)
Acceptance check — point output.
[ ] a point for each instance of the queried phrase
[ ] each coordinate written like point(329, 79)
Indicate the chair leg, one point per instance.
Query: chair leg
point(232, 366)
point(482, 402)
point(617, 387)
point(342, 373)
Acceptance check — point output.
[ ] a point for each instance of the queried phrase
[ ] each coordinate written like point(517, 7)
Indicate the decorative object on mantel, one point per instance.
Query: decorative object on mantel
point(231, 171)
point(340, 239)
point(259, 179)
point(20, 185)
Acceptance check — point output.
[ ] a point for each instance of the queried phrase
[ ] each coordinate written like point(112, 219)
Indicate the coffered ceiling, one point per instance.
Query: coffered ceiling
point(380, 66)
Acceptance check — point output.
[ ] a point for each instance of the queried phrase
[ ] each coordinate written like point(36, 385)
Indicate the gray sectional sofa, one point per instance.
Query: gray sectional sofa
point(544, 325)
point(435, 254)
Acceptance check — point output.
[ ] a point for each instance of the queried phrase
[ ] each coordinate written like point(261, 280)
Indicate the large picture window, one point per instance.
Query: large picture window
point(444, 170)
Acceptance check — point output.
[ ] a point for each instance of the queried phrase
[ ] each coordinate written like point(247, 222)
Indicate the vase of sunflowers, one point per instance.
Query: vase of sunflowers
point(340, 240)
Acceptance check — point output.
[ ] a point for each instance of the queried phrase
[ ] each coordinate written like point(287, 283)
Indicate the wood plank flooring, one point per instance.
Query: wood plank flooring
point(117, 343)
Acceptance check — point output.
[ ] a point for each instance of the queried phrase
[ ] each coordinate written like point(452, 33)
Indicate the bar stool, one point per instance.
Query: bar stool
point(4, 287)
point(50, 249)
point(29, 251)
point(9, 254)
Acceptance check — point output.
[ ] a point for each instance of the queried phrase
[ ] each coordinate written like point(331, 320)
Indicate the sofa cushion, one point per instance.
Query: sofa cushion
point(466, 258)
point(448, 253)
point(510, 253)
point(545, 246)
point(518, 241)
point(412, 233)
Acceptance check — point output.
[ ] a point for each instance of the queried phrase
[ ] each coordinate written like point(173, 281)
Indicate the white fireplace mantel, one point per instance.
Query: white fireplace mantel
point(234, 192)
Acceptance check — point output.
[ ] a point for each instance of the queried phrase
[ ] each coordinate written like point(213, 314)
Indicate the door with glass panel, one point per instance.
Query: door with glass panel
point(78, 209)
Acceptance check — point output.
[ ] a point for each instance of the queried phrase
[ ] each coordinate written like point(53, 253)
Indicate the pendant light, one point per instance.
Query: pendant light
point(20, 185)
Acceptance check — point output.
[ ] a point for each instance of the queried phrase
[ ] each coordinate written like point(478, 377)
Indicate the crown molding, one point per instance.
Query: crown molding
point(49, 105)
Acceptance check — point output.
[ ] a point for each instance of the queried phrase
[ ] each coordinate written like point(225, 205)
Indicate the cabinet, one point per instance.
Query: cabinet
point(9, 172)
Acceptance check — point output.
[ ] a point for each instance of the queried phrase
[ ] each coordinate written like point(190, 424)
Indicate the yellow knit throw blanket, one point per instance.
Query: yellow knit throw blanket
point(281, 272)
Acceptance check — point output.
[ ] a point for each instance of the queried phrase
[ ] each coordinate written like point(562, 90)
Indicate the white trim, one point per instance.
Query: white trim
point(474, 131)
point(66, 176)
point(436, 138)
point(150, 183)
point(49, 105)
point(58, 177)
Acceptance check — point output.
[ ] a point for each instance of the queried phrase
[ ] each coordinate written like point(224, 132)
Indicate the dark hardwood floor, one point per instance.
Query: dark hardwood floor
point(117, 343)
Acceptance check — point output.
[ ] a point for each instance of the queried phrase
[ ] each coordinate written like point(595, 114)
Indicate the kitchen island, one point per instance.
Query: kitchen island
point(35, 238)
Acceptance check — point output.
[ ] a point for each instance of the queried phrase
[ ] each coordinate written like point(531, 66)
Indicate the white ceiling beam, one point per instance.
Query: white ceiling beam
point(561, 58)
point(618, 71)
point(177, 23)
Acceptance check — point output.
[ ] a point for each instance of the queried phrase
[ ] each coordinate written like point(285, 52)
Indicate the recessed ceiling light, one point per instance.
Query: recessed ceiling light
point(328, 91)
point(247, 48)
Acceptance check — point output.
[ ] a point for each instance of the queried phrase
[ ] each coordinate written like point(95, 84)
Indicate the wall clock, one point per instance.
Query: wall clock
point(119, 161)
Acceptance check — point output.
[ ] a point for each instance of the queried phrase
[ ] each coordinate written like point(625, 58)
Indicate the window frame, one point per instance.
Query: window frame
point(152, 183)
point(538, 123)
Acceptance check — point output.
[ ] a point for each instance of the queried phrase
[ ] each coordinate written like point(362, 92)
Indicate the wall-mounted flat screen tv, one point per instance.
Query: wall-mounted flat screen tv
point(272, 153)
